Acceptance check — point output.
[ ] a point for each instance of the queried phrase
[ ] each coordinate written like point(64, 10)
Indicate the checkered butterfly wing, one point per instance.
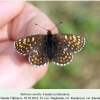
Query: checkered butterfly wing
point(72, 42)
point(25, 45)
point(32, 46)
point(63, 55)
point(38, 56)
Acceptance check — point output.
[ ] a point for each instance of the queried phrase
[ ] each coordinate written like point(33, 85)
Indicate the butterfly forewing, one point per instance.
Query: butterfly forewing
point(25, 45)
point(72, 42)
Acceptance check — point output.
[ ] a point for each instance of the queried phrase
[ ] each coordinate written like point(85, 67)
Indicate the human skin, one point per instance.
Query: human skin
point(17, 20)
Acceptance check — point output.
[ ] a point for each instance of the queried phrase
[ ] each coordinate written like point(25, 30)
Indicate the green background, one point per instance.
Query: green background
point(80, 18)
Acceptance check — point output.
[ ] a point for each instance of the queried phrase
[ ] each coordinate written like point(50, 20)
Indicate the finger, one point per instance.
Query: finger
point(24, 24)
point(22, 74)
point(21, 69)
point(8, 10)
point(27, 27)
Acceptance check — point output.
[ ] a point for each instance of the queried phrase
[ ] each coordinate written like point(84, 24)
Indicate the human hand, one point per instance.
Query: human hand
point(17, 20)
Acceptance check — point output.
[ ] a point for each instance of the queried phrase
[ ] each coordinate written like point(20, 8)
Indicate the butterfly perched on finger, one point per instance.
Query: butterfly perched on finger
point(43, 49)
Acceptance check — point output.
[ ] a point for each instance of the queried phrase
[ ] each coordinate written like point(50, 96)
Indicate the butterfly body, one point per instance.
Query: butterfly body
point(43, 48)
point(50, 45)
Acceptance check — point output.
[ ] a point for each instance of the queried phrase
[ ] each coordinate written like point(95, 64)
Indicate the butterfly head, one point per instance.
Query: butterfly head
point(49, 32)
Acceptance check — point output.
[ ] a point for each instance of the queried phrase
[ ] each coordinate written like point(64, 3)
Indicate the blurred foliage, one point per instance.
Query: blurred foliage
point(80, 18)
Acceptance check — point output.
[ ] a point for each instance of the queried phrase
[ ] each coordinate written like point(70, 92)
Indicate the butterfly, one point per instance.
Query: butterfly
point(43, 49)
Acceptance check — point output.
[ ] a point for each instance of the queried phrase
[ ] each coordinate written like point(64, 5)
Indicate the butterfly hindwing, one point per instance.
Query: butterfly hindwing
point(63, 55)
point(73, 42)
point(38, 56)
point(25, 45)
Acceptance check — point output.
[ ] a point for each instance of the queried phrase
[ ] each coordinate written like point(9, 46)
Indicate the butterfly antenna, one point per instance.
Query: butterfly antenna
point(41, 26)
point(56, 25)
